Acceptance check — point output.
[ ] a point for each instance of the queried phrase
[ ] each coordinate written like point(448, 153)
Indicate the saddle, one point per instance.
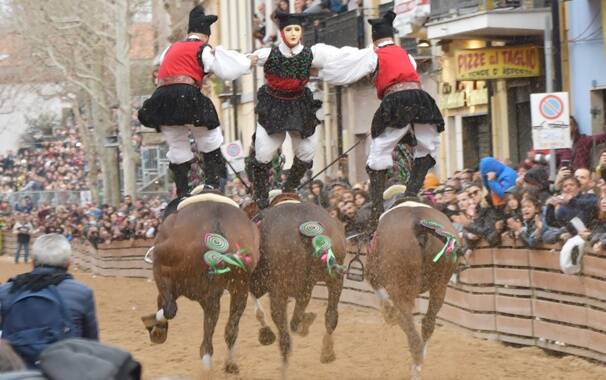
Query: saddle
point(201, 193)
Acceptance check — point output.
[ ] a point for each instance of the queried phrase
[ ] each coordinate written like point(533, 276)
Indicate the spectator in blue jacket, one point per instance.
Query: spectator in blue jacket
point(497, 178)
point(45, 305)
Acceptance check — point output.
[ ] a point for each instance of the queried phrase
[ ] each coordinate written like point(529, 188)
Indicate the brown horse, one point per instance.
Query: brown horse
point(181, 268)
point(288, 268)
point(402, 264)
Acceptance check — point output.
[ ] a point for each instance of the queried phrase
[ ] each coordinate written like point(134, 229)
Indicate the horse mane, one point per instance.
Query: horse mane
point(284, 197)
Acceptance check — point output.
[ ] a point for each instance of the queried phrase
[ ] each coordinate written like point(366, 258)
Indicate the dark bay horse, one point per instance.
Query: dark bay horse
point(183, 266)
point(289, 268)
point(405, 261)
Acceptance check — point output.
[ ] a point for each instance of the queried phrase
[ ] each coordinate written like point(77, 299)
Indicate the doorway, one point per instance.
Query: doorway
point(476, 140)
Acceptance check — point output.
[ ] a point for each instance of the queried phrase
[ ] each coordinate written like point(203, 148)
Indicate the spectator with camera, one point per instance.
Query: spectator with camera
point(569, 213)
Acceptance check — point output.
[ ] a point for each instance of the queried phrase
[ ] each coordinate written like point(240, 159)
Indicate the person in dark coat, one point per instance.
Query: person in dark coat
point(51, 259)
point(571, 204)
point(536, 180)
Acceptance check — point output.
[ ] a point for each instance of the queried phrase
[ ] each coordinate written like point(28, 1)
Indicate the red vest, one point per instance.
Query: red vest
point(393, 66)
point(182, 59)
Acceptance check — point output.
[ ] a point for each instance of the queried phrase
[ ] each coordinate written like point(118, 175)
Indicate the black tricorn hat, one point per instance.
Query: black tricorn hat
point(286, 19)
point(383, 27)
point(199, 22)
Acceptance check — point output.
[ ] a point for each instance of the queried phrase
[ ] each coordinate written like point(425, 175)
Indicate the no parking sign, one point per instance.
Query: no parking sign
point(550, 120)
point(234, 154)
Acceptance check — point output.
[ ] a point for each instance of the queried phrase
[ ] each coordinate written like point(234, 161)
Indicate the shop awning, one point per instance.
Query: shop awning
point(490, 24)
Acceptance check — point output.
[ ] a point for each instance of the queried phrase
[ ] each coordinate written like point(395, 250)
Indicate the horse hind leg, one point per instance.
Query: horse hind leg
point(436, 299)
point(278, 314)
point(301, 321)
point(266, 336)
point(331, 318)
point(415, 342)
point(389, 311)
point(236, 309)
point(211, 307)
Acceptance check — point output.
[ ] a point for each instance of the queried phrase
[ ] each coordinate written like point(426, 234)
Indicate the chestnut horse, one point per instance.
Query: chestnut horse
point(181, 267)
point(413, 251)
point(289, 268)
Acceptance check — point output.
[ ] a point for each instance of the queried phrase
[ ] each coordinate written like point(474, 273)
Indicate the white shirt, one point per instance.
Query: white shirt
point(351, 64)
point(322, 53)
point(226, 64)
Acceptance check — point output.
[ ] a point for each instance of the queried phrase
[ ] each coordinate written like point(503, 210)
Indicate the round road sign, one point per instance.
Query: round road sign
point(551, 107)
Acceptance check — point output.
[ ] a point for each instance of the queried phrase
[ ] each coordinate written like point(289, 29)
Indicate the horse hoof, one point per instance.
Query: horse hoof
point(159, 333)
point(415, 372)
point(232, 368)
point(266, 336)
point(149, 321)
point(328, 357)
point(306, 322)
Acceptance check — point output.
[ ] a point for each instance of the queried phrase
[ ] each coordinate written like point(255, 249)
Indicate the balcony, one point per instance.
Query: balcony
point(452, 19)
point(344, 29)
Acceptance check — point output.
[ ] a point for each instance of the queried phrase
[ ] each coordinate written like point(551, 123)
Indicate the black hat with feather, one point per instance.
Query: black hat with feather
point(286, 19)
point(199, 22)
point(383, 27)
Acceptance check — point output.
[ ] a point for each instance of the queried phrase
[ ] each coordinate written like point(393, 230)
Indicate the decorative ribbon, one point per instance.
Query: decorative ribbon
point(218, 261)
point(322, 246)
point(450, 246)
point(405, 160)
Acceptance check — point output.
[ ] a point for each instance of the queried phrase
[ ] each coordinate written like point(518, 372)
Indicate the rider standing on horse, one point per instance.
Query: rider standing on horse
point(286, 104)
point(178, 107)
point(406, 114)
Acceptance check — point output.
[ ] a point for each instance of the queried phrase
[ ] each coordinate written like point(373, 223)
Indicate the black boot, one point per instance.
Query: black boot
point(260, 173)
point(215, 169)
point(297, 171)
point(377, 186)
point(420, 167)
point(181, 176)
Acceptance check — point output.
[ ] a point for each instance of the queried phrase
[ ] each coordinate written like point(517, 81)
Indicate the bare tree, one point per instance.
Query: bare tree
point(87, 41)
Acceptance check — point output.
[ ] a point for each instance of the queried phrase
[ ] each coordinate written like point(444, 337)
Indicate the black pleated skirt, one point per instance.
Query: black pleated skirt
point(401, 108)
point(178, 104)
point(280, 114)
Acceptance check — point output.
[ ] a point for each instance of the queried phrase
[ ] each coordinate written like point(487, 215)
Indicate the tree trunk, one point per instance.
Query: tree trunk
point(90, 150)
point(129, 158)
point(102, 122)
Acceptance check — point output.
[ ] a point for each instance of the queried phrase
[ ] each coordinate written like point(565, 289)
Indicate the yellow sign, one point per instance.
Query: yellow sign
point(498, 63)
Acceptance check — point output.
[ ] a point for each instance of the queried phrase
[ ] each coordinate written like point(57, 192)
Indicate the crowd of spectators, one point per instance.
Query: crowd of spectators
point(46, 165)
point(132, 219)
point(309, 7)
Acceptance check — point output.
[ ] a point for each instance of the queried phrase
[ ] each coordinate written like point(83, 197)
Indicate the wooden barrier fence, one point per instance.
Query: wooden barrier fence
point(511, 294)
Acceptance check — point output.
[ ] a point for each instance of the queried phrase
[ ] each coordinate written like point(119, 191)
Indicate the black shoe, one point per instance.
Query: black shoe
point(260, 173)
point(215, 169)
point(297, 171)
point(181, 177)
point(377, 186)
point(420, 167)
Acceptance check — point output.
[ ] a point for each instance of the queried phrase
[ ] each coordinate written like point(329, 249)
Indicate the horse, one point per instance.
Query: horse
point(414, 250)
point(209, 245)
point(290, 266)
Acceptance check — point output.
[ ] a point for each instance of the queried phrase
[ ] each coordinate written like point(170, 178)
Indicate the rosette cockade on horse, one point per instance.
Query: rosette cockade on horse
point(301, 245)
point(208, 246)
point(413, 251)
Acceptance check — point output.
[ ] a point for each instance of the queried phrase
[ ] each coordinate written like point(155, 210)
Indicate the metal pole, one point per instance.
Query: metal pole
point(333, 162)
point(549, 84)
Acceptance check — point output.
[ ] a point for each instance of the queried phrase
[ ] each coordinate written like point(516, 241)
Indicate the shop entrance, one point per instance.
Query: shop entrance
point(476, 140)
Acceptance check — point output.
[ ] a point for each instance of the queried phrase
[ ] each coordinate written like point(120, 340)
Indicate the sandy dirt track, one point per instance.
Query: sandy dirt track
point(366, 348)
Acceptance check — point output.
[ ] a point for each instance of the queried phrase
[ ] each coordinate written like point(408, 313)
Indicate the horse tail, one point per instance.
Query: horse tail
point(425, 227)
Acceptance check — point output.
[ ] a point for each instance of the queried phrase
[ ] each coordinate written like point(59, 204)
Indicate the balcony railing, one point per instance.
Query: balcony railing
point(444, 8)
point(345, 29)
